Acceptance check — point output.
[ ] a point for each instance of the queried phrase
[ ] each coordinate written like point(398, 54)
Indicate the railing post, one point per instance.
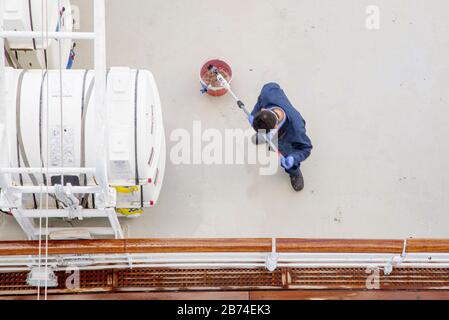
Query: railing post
point(100, 97)
point(4, 158)
point(3, 123)
point(271, 262)
point(2, 68)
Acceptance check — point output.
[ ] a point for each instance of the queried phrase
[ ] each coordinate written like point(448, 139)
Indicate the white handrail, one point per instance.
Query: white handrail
point(51, 35)
point(50, 190)
point(55, 213)
point(56, 171)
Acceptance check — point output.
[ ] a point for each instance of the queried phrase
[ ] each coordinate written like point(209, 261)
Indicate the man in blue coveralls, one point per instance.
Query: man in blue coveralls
point(274, 114)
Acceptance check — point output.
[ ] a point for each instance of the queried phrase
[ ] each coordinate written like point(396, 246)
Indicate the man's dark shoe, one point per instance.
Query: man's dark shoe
point(297, 182)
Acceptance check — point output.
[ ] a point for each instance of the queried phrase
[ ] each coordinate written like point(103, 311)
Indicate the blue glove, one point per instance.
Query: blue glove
point(251, 119)
point(287, 162)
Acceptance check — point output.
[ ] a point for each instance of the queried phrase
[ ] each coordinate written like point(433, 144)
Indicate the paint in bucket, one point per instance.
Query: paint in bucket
point(209, 79)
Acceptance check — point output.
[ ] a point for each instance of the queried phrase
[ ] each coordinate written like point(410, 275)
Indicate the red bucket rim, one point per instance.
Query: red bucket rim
point(217, 63)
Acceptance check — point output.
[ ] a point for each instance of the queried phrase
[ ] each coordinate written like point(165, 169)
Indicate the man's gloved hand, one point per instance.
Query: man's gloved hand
point(287, 162)
point(251, 119)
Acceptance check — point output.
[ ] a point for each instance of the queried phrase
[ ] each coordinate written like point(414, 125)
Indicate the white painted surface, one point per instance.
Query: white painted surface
point(376, 103)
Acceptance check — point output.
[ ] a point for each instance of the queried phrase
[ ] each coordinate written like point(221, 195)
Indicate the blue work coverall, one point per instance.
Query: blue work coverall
point(292, 138)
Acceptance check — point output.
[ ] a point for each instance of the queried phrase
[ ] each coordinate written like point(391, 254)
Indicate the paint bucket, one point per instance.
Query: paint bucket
point(215, 89)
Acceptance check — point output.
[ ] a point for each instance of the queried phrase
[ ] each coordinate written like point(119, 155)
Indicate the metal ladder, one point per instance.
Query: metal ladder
point(11, 196)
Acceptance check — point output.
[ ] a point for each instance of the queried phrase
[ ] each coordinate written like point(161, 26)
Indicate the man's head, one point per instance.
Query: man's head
point(265, 120)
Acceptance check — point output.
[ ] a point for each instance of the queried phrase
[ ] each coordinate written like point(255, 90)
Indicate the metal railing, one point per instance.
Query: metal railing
point(229, 253)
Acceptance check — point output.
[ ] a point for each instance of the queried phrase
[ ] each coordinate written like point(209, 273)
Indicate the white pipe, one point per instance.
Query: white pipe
point(48, 170)
point(365, 265)
point(125, 265)
point(247, 265)
point(51, 35)
point(230, 257)
point(210, 265)
point(199, 261)
point(260, 255)
point(228, 260)
point(14, 269)
point(137, 262)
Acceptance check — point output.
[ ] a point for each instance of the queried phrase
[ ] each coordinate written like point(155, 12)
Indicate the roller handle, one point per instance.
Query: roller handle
point(243, 107)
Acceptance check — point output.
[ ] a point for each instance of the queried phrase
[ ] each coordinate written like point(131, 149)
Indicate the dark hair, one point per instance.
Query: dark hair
point(265, 120)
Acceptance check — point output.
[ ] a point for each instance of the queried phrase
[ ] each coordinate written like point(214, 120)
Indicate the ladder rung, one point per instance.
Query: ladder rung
point(48, 170)
point(54, 213)
point(50, 35)
point(48, 190)
point(94, 231)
